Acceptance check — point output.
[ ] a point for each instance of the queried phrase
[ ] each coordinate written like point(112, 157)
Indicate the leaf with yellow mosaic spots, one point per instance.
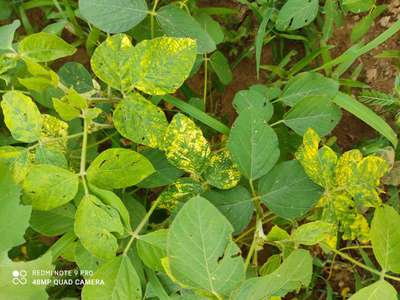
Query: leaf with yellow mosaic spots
point(185, 146)
point(140, 121)
point(54, 132)
point(163, 64)
point(17, 160)
point(221, 171)
point(180, 191)
point(347, 167)
point(113, 62)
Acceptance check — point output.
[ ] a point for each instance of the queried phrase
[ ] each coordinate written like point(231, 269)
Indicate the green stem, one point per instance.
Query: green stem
point(135, 234)
point(205, 80)
point(82, 171)
point(72, 136)
point(152, 14)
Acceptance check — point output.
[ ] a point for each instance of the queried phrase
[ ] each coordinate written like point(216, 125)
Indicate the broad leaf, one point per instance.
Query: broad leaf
point(296, 14)
point(17, 278)
point(163, 64)
point(313, 112)
point(250, 137)
point(21, 116)
point(95, 225)
point(185, 145)
point(43, 47)
point(18, 161)
point(47, 187)
point(121, 281)
point(385, 238)
point(201, 253)
point(235, 204)
point(288, 191)
point(253, 100)
point(14, 217)
point(113, 61)
point(141, 121)
point(113, 17)
point(294, 273)
point(177, 23)
point(118, 168)
point(53, 222)
point(312, 233)
point(376, 291)
point(74, 75)
point(152, 247)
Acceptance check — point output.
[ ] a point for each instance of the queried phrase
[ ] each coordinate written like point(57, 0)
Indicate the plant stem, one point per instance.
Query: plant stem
point(205, 81)
point(135, 234)
point(82, 171)
point(152, 14)
point(72, 136)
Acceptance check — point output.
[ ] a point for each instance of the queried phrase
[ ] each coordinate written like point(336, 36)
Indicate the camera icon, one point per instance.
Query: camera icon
point(19, 277)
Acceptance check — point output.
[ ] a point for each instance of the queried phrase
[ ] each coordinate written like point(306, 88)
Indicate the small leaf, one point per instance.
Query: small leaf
point(74, 75)
point(177, 23)
point(152, 247)
point(253, 99)
point(69, 107)
point(288, 191)
point(312, 233)
point(121, 281)
point(7, 35)
point(250, 136)
point(43, 47)
point(115, 17)
point(47, 187)
point(220, 64)
point(358, 6)
point(185, 145)
point(376, 291)
point(113, 62)
point(220, 171)
point(296, 14)
point(163, 64)
point(141, 121)
point(385, 238)
point(18, 161)
point(95, 225)
point(118, 168)
point(21, 116)
point(201, 253)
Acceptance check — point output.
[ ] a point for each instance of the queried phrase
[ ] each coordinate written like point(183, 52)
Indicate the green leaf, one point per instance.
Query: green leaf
point(21, 116)
point(121, 281)
point(70, 106)
point(113, 62)
point(358, 6)
point(212, 27)
point(47, 155)
point(235, 204)
point(308, 84)
point(261, 33)
point(253, 100)
point(201, 253)
point(185, 145)
point(22, 286)
point(152, 247)
point(312, 233)
point(376, 291)
point(288, 191)
point(366, 115)
point(17, 159)
point(220, 64)
point(113, 17)
point(43, 47)
point(5, 10)
point(53, 222)
point(177, 23)
point(7, 35)
point(47, 187)
point(163, 64)
point(74, 75)
point(220, 171)
point(363, 26)
point(294, 272)
point(14, 217)
point(165, 173)
point(313, 112)
point(95, 225)
point(385, 238)
point(296, 14)
point(250, 136)
point(118, 168)
point(141, 121)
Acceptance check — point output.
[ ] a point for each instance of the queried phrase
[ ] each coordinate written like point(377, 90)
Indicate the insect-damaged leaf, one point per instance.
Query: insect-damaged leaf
point(43, 47)
point(201, 253)
point(140, 121)
point(95, 225)
point(113, 61)
point(185, 145)
point(253, 144)
point(21, 116)
point(118, 168)
point(47, 186)
point(113, 17)
point(162, 64)
point(121, 281)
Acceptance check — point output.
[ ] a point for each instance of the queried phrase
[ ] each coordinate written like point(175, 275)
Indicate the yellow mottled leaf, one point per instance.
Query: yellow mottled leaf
point(347, 166)
point(54, 132)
